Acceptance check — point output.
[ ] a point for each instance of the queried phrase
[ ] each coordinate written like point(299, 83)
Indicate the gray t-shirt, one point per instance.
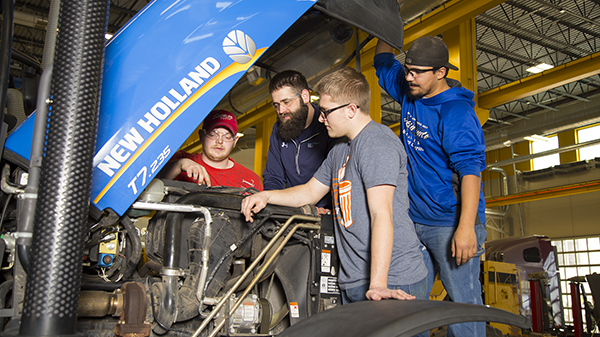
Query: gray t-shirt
point(375, 157)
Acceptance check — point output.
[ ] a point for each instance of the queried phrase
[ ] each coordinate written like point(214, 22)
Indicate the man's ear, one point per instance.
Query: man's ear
point(235, 140)
point(352, 111)
point(441, 73)
point(305, 96)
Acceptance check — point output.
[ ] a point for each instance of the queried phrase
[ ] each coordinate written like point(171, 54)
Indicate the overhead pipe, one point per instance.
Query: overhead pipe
point(505, 209)
point(65, 181)
point(498, 140)
point(412, 9)
point(520, 159)
point(28, 19)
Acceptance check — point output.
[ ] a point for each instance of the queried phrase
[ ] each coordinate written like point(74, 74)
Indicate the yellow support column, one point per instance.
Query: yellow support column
point(567, 138)
point(369, 73)
point(461, 47)
point(366, 65)
point(261, 147)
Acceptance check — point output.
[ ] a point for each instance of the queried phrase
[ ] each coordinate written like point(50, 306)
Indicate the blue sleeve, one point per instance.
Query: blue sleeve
point(391, 75)
point(274, 175)
point(463, 139)
point(323, 173)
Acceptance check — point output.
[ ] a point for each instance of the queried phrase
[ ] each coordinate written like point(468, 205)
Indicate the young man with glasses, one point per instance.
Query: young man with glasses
point(299, 143)
point(213, 167)
point(446, 154)
point(366, 175)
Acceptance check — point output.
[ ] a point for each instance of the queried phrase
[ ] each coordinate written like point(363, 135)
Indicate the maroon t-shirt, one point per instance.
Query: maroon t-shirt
point(236, 176)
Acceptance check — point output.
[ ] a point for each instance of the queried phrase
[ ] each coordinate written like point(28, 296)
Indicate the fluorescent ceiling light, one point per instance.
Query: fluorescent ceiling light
point(108, 36)
point(314, 98)
point(545, 66)
point(536, 138)
point(239, 135)
point(539, 68)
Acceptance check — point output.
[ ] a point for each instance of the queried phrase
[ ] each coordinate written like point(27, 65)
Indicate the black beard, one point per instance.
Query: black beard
point(414, 97)
point(292, 128)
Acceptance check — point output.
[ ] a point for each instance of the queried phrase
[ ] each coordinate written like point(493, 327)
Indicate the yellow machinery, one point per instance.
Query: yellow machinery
point(501, 289)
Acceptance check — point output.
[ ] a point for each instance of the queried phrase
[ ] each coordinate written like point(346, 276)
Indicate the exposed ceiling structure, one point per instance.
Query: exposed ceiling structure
point(510, 38)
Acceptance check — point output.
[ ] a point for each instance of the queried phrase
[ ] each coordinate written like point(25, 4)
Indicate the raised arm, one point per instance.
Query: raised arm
point(383, 47)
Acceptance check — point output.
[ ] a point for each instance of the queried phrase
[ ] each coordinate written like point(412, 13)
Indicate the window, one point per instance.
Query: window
point(585, 135)
point(576, 257)
point(542, 146)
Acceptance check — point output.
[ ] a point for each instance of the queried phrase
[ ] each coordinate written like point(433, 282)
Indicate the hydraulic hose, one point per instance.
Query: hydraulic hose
point(136, 251)
point(53, 283)
point(28, 200)
point(169, 289)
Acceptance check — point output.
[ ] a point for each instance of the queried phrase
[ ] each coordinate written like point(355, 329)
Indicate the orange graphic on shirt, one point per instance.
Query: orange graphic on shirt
point(346, 202)
point(342, 196)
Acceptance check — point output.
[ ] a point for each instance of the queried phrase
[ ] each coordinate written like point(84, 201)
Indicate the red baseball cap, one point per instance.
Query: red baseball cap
point(220, 118)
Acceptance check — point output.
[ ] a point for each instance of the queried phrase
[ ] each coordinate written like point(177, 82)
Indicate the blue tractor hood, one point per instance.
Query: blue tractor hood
point(171, 64)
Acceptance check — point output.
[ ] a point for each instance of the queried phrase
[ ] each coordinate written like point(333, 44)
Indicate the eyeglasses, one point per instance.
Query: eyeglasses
point(214, 135)
point(326, 113)
point(416, 72)
point(285, 102)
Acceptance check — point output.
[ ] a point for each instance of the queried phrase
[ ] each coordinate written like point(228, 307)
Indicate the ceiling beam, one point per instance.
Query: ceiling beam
point(505, 54)
point(529, 35)
point(445, 17)
point(560, 18)
point(560, 191)
point(549, 79)
point(256, 115)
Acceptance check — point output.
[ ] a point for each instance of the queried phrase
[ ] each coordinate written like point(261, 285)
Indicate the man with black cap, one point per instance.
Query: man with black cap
point(446, 154)
point(213, 167)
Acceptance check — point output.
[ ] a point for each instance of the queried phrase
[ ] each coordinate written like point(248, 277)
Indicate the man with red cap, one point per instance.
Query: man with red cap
point(213, 167)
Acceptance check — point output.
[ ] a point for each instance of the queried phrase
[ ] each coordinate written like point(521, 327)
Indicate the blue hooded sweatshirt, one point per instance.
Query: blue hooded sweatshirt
point(444, 142)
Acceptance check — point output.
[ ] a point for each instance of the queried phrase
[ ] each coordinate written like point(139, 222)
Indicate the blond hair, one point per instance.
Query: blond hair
point(346, 85)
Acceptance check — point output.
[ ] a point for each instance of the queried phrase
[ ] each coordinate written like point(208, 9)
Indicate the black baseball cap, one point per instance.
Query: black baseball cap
point(429, 51)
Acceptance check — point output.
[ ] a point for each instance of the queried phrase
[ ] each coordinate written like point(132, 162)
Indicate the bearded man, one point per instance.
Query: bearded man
point(299, 143)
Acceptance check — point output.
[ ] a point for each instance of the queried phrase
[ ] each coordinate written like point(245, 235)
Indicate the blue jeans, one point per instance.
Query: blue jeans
point(461, 282)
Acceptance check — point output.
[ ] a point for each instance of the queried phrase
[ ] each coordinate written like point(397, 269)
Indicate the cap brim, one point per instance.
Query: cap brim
point(450, 66)
point(222, 125)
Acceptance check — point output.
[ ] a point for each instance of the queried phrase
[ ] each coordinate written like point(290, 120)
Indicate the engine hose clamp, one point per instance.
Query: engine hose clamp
point(172, 272)
point(19, 235)
point(27, 196)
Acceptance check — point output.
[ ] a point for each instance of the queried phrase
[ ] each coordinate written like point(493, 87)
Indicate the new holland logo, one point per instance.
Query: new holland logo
point(239, 46)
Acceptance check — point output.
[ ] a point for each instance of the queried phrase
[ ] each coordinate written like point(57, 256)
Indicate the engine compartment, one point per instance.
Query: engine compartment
point(190, 264)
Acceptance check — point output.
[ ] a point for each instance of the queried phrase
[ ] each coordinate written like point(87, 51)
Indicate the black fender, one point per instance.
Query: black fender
point(397, 318)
